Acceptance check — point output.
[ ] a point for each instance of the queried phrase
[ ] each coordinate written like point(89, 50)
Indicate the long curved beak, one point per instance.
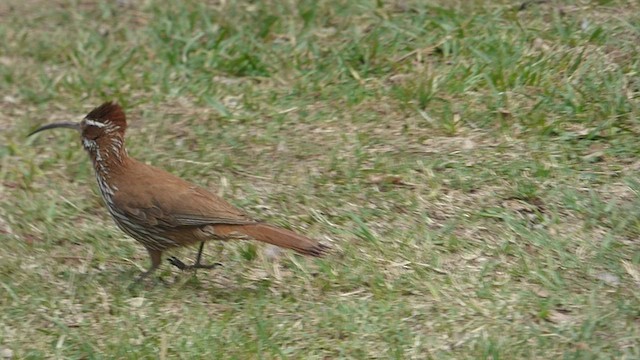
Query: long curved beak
point(67, 125)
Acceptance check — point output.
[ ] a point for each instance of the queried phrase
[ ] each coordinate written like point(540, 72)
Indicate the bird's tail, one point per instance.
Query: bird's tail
point(276, 236)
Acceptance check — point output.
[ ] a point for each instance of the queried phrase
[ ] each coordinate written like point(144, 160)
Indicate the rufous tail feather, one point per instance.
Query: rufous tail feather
point(275, 236)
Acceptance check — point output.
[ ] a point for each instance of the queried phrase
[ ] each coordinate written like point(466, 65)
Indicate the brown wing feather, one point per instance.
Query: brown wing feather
point(172, 202)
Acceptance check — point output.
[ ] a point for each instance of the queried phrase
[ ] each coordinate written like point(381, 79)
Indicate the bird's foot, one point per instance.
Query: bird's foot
point(182, 266)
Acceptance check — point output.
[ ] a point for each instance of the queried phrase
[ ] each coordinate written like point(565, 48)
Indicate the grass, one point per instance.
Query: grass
point(475, 167)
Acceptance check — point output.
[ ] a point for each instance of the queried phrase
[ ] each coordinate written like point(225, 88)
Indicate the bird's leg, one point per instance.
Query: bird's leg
point(199, 254)
point(156, 259)
point(197, 265)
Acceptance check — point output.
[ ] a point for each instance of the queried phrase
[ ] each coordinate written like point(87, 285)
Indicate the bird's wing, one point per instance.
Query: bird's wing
point(157, 198)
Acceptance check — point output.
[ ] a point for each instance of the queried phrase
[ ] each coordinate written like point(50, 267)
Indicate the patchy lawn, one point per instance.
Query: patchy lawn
point(473, 164)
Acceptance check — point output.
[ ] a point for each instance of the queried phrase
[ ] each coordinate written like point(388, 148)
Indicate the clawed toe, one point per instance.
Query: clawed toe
point(211, 266)
point(182, 266)
point(177, 263)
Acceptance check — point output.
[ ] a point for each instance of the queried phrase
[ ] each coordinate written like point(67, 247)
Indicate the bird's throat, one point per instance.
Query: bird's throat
point(107, 155)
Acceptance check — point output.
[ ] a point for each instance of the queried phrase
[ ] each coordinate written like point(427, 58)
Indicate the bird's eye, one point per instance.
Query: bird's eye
point(91, 130)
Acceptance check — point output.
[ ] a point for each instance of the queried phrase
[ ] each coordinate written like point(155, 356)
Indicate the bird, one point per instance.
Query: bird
point(163, 211)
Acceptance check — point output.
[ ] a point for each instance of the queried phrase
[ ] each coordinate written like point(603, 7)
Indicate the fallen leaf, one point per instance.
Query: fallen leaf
point(136, 302)
point(399, 78)
point(540, 45)
point(608, 278)
point(541, 292)
point(468, 144)
point(596, 156)
point(382, 180)
point(6, 353)
point(504, 113)
point(560, 317)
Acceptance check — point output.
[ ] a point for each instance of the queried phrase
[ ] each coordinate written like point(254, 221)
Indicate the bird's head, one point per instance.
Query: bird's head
point(107, 122)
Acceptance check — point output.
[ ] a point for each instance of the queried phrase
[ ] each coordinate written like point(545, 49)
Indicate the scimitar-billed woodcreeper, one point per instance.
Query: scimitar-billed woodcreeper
point(160, 210)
